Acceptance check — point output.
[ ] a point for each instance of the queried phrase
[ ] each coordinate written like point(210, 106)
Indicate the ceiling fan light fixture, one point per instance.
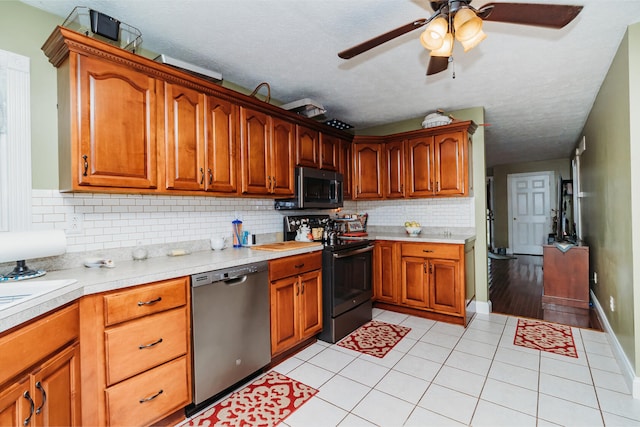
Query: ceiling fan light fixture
point(473, 42)
point(433, 37)
point(447, 47)
point(466, 24)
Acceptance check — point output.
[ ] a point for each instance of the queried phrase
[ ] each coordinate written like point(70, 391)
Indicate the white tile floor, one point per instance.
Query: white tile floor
point(445, 375)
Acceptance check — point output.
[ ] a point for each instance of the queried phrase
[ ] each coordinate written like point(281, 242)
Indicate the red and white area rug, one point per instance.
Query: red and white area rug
point(545, 336)
point(374, 338)
point(265, 402)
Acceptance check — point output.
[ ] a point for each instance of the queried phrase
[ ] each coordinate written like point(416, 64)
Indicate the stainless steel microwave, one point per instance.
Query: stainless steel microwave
point(314, 189)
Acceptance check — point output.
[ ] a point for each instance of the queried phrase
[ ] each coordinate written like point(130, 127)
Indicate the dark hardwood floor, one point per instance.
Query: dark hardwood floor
point(515, 287)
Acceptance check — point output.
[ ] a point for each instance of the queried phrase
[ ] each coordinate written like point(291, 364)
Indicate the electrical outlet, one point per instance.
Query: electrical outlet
point(74, 224)
point(595, 278)
point(612, 304)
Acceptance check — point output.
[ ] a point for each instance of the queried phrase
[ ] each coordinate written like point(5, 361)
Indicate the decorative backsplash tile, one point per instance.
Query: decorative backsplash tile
point(105, 224)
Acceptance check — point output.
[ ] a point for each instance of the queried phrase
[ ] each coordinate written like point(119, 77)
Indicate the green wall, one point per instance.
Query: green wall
point(23, 30)
point(561, 167)
point(607, 174)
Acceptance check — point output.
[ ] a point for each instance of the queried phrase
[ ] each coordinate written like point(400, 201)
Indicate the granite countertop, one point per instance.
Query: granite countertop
point(454, 235)
point(87, 281)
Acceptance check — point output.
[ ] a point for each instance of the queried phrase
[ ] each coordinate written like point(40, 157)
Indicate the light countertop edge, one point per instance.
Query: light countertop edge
point(132, 273)
point(460, 239)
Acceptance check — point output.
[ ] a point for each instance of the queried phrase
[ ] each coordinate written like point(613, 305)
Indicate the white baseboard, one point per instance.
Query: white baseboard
point(628, 372)
point(483, 307)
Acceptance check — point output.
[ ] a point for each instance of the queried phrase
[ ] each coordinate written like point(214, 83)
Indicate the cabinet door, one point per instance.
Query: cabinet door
point(57, 390)
point(255, 140)
point(14, 406)
point(419, 167)
point(368, 171)
point(284, 295)
point(346, 169)
point(307, 147)
point(394, 176)
point(444, 286)
point(329, 152)
point(450, 170)
point(221, 152)
point(414, 283)
point(310, 304)
point(385, 282)
point(184, 146)
point(117, 111)
point(281, 175)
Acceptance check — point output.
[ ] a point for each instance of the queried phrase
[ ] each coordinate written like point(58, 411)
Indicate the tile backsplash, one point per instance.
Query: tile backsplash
point(104, 224)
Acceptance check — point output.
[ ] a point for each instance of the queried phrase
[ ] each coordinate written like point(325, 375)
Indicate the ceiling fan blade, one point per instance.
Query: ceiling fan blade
point(437, 64)
point(537, 14)
point(382, 38)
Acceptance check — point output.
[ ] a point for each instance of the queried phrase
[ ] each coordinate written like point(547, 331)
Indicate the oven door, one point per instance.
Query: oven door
point(351, 273)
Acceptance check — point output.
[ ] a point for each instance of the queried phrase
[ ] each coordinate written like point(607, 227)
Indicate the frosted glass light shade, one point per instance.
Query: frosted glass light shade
point(473, 42)
point(466, 24)
point(447, 47)
point(433, 37)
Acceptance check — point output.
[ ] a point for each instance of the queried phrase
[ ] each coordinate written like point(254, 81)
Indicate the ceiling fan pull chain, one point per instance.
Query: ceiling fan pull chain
point(453, 67)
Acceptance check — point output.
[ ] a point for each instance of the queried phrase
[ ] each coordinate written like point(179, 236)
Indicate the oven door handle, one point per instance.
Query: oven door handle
point(346, 254)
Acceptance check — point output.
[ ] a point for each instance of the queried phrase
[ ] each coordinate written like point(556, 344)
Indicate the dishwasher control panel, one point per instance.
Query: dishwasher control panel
point(209, 277)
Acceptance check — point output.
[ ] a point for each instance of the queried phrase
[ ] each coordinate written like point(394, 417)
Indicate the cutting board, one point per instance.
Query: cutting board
point(284, 246)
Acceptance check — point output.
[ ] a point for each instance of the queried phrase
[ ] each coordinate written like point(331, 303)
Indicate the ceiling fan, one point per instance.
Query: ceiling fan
point(457, 19)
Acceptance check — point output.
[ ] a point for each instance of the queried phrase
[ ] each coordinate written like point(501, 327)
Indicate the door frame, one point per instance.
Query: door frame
point(510, 179)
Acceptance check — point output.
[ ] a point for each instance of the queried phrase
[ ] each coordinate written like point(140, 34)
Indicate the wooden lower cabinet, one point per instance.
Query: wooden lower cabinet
point(566, 277)
point(296, 300)
point(136, 353)
point(425, 279)
point(40, 372)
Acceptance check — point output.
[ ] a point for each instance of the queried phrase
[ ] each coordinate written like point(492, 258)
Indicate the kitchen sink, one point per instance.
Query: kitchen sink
point(13, 292)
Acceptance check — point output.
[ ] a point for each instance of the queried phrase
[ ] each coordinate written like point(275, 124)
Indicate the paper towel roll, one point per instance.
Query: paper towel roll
point(23, 245)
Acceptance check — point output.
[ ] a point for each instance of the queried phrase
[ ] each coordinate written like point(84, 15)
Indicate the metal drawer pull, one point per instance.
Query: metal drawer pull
point(427, 250)
point(153, 301)
point(32, 405)
point(44, 397)
point(153, 344)
point(299, 265)
point(147, 399)
point(86, 165)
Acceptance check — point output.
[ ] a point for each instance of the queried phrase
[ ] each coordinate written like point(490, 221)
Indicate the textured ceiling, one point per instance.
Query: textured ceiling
point(537, 85)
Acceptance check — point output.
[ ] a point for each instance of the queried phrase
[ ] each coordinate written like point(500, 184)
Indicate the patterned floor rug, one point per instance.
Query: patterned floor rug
point(265, 402)
point(374, 338)
point(545, 336)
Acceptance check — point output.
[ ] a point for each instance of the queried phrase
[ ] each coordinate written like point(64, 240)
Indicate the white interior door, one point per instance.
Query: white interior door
point(529, 211)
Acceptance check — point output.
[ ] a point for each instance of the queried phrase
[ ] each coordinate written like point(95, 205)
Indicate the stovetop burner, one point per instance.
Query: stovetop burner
point(293, 222)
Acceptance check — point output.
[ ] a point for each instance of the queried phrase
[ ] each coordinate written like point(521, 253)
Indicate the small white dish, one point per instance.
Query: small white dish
point(98, 262)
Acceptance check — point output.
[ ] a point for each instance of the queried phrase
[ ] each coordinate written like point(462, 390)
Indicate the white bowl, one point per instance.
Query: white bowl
point(413, 231)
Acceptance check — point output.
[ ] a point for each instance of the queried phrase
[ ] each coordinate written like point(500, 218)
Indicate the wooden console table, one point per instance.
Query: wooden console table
point(566, 276)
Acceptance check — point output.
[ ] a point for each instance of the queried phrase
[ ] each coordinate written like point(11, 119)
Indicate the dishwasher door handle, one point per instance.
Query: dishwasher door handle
point(234, 281)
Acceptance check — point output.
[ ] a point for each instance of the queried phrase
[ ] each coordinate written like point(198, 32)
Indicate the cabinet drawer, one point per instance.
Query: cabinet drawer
point(293, 265)
point(139, 345)
point(25, 346)
point(432, 250)
point(132, 402)
point(143, 300)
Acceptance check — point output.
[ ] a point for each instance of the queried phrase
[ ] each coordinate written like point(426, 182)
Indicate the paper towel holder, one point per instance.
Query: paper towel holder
point(20, 246)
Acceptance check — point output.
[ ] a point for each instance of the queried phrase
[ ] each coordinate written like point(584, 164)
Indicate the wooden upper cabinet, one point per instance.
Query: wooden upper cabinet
point(451, 172)
point(184, 138)
point(221, 147)
point(254, 140)
point(368, 173)
point(394, 174)
point(345, 167)
point(419, 165)
point(307, 147)
point(281, 168)
point(329, 152)
point(116, 107)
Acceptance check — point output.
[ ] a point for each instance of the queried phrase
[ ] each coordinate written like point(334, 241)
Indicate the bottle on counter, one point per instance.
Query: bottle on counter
point(237, 233)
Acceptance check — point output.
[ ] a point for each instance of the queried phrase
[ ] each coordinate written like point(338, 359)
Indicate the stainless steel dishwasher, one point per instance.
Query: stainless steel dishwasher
point(230, 327)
